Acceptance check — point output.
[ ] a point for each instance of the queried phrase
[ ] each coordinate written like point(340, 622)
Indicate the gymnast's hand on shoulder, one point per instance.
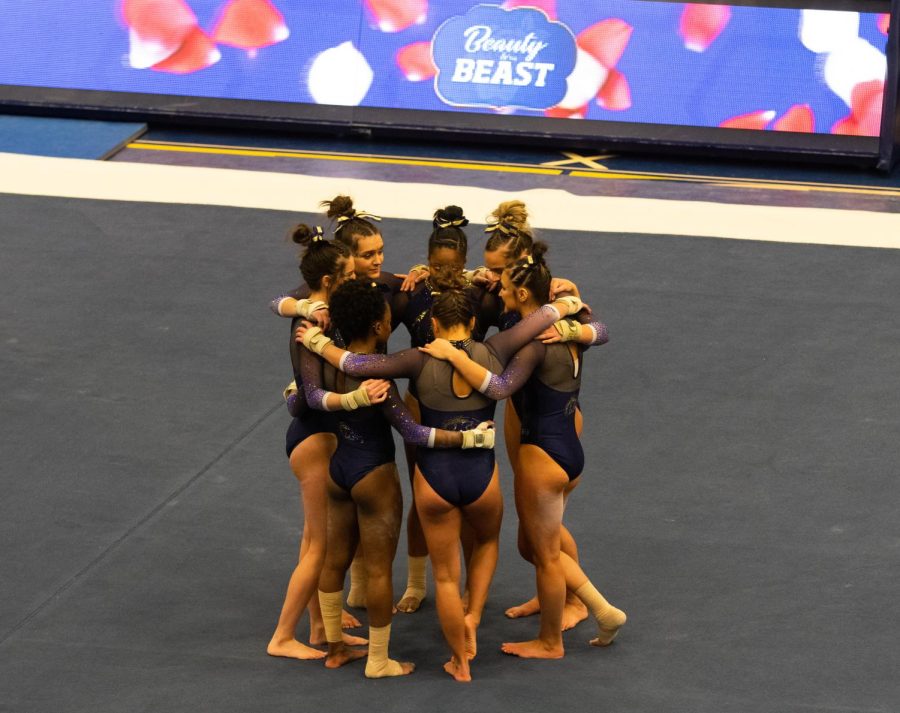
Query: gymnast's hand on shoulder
point(440, 349)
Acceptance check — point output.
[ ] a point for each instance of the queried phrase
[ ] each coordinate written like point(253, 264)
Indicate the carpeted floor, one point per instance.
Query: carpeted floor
point(739, 499)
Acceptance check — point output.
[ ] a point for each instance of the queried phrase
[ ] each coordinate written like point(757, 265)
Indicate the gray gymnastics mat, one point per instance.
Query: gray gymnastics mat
point(739, 499)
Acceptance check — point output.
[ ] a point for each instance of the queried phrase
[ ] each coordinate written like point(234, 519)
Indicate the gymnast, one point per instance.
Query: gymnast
point(310, 442)
point(356, 229)
point(452, 486)
point(364, 500)
point(543, 379)
point(511, 237)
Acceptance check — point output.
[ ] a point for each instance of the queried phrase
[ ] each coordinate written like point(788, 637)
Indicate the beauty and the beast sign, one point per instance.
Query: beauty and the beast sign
point(492, 57)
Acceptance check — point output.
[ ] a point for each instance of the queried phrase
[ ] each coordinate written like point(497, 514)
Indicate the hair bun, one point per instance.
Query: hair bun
point(450, 216)
point(538, 250)
point(338, 206)
point(302, 234)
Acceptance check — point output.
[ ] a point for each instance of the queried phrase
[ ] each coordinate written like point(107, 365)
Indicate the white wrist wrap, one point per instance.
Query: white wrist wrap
point(478, 438)
point(573, 304)
point(305, 308)
point(315, 340)
point(486, 382)
point(289, 390)
point(569, 330)
point(431, 436)
point(355, 399)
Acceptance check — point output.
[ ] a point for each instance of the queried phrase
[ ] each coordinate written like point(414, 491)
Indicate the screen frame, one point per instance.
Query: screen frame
point(865, 151)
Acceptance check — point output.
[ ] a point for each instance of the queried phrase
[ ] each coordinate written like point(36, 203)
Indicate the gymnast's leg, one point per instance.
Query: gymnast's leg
point(539, 500)
point(309, 462)
point(417, 548)
point(379, 508)
point(343, 538)
point(441, 523)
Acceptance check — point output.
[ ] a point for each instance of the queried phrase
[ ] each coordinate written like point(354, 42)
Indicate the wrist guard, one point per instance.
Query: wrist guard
point(573, 304)
point(355, 399)
point(305, 308)
point(569, 330)
point(289, 390)
point(478, 438)
point(315, 340)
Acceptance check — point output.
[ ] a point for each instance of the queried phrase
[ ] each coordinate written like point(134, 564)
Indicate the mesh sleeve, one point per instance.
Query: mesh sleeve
point(516, 373)
point(406, 364)
point(402, 420)
point(311, 375)
point(508, 342)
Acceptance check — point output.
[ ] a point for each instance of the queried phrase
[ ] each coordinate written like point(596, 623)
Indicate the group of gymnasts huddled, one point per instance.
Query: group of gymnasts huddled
point(344, 403)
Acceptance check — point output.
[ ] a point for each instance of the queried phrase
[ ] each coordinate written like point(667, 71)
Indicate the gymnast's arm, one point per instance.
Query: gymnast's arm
point(370, 391)
point(406, 364)
point(492, 385)
point(414, 433)
point(506, 343)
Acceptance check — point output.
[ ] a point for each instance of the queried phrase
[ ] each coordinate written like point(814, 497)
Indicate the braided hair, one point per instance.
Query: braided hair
point(355, 306)
point(321, 257)
point(452, 305)
point(510, 230)
point(448, 232)
point(351, 225)
point(532, 273)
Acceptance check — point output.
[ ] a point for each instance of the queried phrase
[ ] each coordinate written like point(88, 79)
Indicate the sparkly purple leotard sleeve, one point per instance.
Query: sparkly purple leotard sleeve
point(311, 373)
point(505, 344)
point(402, 420)
point(406, 364)
point(516, 373)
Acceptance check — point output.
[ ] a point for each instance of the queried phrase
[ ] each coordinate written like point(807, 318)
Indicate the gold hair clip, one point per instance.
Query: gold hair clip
point(317, 234)
point(505, 228)
point(458, 223)
point(530, 260)
point(357, 214)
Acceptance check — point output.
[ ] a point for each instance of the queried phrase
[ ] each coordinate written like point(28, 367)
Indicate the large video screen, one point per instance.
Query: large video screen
point(644, 61)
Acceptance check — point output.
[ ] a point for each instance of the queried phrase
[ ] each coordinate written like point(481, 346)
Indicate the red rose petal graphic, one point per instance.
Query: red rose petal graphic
point(548, 6)
point(798, 118)
point(396, 15)
point(157, 29)
point(615, 94)
point(846, 127)
point(605, 41)
point(758, 120)
point(250, 24)
point(884, 22)
point(865, 106)
point(415, 61)
point(198, 52)
point(700, 24)
point(561, 113)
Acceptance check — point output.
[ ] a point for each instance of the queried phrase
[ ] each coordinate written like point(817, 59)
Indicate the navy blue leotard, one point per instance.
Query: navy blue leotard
point(460, 477)
point(544, 381)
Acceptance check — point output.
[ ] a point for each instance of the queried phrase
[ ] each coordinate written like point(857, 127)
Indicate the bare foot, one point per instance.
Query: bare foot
point(471, 636)
point(293, 649)
point(574, 613)
point(459, 671)
point(410, 601)
point(343, 655)
point(609, 627)
point(535, 649)
point(348, 621)
point(529, 608)
point(349, 640)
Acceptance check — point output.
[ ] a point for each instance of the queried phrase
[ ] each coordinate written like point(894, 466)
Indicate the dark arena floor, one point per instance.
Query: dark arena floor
point(739, 499)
